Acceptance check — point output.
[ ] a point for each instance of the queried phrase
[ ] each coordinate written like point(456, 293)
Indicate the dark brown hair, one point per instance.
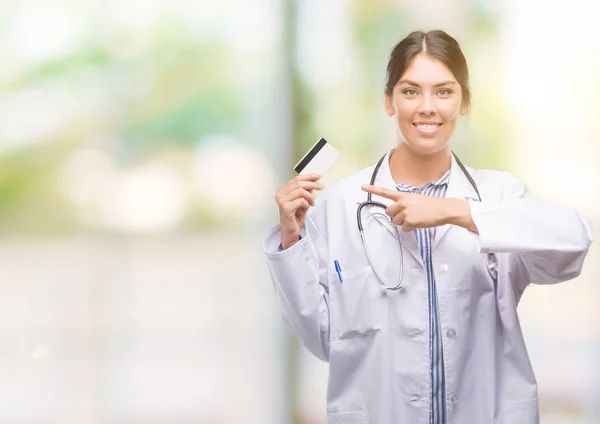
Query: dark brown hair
point(436, 44)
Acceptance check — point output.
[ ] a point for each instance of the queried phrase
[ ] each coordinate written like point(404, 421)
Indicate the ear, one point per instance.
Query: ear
point(464, 108)
point(389, 104)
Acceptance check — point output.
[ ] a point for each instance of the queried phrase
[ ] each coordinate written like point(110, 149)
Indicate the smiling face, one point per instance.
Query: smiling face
point(426, 103)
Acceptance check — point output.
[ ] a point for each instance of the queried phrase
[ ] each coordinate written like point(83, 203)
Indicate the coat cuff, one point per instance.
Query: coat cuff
point(272, 241)
point(281, 249)
point(481, 214)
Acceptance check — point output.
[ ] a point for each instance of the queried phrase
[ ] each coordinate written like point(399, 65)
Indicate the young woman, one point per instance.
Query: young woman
point(417, 316)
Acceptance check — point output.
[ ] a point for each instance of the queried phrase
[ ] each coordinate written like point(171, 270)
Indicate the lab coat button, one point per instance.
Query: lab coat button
point(453, 399)
point(415, 398)
point(451, 333)
point(443, 268)
point(414, 332)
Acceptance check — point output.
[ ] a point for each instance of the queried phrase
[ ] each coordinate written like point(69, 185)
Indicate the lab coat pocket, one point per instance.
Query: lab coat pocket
point(356, 305)
point(357, 417)
point(520, 412)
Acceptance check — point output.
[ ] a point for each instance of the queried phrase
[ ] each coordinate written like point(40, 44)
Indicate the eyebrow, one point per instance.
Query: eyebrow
point(417, 85)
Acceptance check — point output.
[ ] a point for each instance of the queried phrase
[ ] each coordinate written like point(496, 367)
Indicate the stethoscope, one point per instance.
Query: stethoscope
point(491, 263)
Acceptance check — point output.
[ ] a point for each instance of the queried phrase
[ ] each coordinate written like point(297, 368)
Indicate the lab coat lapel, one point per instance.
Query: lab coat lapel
point(459, 187)
point(384, 179)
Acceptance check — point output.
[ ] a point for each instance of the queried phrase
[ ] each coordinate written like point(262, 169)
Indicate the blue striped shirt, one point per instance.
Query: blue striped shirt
point(425, 239)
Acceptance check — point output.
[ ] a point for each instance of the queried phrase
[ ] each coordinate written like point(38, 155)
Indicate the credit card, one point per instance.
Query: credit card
point(318, 159)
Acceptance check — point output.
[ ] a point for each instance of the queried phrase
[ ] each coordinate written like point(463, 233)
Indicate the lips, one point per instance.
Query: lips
point(427, 128)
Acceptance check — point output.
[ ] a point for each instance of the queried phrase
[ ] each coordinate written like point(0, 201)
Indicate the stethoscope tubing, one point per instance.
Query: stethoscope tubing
point(491, 262)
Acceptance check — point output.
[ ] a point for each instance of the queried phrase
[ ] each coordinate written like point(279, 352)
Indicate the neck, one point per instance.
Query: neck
point(410, 168)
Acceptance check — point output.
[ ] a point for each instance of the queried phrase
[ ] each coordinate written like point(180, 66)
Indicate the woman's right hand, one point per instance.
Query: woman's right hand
point(293, 200)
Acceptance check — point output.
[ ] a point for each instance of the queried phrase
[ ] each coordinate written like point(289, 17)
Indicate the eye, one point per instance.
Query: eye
point(410, 92)
point(445, 92)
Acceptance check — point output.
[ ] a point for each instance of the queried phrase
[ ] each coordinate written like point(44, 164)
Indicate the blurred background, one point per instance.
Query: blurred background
point(141, 145)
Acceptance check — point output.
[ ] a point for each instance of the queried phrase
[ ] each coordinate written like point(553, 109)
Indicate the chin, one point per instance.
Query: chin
point(426, 147)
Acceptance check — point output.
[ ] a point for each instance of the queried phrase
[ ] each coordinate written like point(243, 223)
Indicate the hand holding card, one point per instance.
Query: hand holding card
point(295, 197)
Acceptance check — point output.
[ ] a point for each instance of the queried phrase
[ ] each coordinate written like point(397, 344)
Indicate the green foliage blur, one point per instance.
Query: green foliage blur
point(142, 94)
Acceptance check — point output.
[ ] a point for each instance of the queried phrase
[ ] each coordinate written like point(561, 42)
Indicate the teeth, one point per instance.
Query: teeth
point(427, 126)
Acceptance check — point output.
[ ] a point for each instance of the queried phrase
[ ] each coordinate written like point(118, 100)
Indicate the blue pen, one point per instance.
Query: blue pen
point(338, 269)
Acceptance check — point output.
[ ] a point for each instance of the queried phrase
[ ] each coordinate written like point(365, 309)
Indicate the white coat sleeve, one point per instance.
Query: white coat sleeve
point(299, 275)
point(548, 242)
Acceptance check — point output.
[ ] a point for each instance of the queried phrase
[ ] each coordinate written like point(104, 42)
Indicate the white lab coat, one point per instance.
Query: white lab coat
point(377, 345)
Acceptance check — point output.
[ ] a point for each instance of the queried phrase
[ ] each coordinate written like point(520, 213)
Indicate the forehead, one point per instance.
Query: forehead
point(426, 70)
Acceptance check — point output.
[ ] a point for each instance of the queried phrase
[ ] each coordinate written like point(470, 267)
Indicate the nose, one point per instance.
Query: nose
point(427, 105)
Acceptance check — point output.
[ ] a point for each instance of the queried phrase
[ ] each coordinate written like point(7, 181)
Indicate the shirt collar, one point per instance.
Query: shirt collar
point(441, 182)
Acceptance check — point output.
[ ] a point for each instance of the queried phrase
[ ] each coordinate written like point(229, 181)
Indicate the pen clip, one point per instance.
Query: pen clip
point(338, 269)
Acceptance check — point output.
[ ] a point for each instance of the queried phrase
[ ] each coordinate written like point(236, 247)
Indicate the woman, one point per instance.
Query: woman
point(446, 347)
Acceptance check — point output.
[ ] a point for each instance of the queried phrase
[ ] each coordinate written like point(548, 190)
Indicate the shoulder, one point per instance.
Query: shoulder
point(502, 183)
point(495, 177)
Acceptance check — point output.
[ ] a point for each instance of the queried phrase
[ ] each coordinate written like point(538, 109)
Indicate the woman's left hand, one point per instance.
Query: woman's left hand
point(412, 210)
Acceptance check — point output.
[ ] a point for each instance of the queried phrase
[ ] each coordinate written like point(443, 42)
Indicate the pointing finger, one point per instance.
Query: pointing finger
point(380, 191)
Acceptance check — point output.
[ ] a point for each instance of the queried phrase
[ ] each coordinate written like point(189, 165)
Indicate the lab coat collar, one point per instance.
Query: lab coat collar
point(459, 187)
